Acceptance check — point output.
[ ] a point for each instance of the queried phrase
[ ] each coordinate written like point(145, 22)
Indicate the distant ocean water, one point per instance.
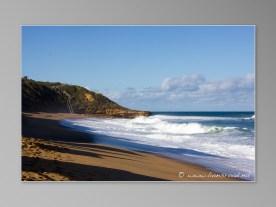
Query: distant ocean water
point(221, 141)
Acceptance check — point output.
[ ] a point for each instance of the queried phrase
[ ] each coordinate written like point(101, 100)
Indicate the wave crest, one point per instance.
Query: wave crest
point(162, 126)
point(250, 118)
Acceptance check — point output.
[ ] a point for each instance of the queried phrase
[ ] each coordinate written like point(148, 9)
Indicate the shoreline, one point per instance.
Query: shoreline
point(54, 152)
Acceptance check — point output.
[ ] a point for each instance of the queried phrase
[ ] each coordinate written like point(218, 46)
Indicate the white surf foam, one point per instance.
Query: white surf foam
point(163, 131)
point(163, 126)
point(249, 118)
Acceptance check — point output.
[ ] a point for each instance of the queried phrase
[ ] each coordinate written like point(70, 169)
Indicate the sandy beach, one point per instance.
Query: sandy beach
point(51, 152)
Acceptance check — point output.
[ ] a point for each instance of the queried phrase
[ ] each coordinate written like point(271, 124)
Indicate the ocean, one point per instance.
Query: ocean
point(221, 141)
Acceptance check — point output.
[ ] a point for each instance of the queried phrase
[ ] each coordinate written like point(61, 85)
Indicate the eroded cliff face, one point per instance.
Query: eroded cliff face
point(126, 113)
point(64, 98)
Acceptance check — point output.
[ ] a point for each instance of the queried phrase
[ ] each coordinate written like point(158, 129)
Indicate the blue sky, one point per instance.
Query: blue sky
point(183, 68)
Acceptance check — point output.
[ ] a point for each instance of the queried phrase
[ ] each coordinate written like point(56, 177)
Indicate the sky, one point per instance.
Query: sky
point(156, 68)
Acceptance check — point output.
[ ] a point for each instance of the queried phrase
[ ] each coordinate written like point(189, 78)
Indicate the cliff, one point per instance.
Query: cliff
point(57, 97)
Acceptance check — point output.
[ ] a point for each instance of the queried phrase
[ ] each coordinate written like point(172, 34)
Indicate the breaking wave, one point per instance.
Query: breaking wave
point(228, 137)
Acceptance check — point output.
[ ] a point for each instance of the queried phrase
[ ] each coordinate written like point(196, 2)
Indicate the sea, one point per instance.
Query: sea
point(221, 141)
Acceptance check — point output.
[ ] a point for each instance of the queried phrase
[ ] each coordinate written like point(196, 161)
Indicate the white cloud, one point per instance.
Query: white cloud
point(184, 83)
point(190, 91)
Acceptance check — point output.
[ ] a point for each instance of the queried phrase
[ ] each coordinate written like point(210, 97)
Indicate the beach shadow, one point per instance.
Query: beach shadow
point(101, 148)
point(51, 130)
point(79, 172)
point(78, 152)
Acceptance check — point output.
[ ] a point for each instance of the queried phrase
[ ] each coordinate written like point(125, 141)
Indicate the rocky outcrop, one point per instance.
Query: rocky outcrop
point(40, 96)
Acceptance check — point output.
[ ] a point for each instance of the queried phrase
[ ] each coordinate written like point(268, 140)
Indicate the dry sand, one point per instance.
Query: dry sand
point(52, 152)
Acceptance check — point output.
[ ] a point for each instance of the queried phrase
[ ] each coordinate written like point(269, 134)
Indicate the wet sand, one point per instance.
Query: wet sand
point(51, 152)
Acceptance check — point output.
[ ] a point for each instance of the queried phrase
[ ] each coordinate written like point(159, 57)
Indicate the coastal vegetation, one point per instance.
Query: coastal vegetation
point(56, 97)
